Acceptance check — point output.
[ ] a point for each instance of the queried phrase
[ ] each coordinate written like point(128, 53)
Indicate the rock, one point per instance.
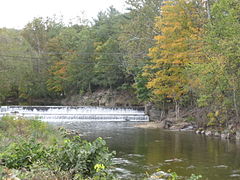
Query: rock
point(102, 97)
point(228, 134)
point(168, 124)
point(160, 175)
point(202, 132)
point(238, 135)
point(181, 126)
point(217, 134)
point(187, 127)
point(199, 131)
point(208, 133)
point(151, 125)
point(155, 114)
point(225, 135)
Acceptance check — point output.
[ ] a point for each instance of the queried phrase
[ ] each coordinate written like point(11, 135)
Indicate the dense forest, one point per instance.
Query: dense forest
point(173, 53)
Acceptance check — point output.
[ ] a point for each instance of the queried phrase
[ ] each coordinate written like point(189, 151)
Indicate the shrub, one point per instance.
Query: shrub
point(23, 154)
point(40, 149)
point(85, 158)
point(74, 158)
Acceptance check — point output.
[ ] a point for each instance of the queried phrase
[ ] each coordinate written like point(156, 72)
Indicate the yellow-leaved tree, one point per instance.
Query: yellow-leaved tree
point(177, 46)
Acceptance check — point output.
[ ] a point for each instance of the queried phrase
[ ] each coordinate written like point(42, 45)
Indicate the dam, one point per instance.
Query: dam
point(74, 113)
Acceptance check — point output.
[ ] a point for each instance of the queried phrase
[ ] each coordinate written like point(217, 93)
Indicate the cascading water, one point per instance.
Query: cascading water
point(74, 113)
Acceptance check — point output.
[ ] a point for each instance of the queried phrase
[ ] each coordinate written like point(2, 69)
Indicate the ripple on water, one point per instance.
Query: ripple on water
point(173, 160)
point(221, 166)
point(121, 161)
point(135, 155)
point(235, 171)
point(191, 167)
point(123, 173)
point(235, 175)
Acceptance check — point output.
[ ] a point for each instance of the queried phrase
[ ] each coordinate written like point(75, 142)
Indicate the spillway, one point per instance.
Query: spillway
point(74, 113)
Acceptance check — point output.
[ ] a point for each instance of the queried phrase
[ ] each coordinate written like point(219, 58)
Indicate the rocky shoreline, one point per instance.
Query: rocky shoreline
point(223, 134)
point(184, 126)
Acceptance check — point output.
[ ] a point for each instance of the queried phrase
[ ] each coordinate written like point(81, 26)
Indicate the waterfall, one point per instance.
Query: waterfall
point(74, 113)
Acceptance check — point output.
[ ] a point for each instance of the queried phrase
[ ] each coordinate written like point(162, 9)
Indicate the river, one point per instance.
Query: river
point(143, 151)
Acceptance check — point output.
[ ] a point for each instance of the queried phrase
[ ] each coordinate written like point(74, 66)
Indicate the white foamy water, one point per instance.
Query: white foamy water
point(74, 113)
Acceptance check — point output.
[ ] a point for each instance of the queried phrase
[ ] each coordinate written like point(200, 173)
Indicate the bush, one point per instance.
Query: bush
point(69, 156)
point(82, 158)
point(23, 154)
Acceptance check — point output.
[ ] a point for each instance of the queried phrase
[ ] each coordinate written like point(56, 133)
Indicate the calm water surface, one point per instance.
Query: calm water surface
point(141, 151)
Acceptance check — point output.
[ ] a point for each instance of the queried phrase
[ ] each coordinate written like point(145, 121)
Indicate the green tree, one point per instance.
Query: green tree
point(15, 65)
point(38, 33)
point(109, 57)
point(137, 33)
point(224, 47)
point(108, 71)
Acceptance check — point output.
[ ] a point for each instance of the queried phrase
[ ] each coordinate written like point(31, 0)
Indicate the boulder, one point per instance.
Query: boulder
point(160, 175)
point(225, 135)
point(154, 112)
point(217, 134)
point(208, 133)
point(238, 135)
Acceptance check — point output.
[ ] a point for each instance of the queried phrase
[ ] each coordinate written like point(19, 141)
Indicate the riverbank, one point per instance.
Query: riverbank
point(223, 133)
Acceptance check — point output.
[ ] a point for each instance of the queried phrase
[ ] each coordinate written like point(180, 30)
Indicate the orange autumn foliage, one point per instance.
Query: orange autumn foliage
point(176, 47)
point(59, 75)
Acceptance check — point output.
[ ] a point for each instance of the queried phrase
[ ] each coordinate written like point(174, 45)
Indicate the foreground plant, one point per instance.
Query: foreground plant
point(31, 151)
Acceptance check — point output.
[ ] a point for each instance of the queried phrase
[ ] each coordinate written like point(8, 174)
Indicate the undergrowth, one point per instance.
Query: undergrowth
point(32, 149)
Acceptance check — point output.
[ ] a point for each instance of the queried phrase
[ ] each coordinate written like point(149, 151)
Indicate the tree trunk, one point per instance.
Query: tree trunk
point(208, 9)
point(235, 103)
point(177, 109)
point(89, 87)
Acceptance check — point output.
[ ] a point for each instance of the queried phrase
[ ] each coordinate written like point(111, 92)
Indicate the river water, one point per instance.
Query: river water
point(143, 151)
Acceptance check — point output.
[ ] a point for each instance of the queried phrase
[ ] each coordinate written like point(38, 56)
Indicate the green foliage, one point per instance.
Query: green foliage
point(40, 150)
point(212, 119)
point(137, 33)
point(81, 157)
point(23, 154)
point(107, 69)
point(11, 69)
point(15, 127)
point(143, 93)
point(173, 176)
point(191, 119)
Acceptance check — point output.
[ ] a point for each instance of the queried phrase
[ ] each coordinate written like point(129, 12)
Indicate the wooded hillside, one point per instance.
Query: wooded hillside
point(172, 53)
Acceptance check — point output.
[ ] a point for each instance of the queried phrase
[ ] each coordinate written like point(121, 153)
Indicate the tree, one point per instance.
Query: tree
point(61, 48)
point(108, 71)
point(224, 41)
point(108, 67)
point(176, 47)
point(81, 68)
point(15, 64)
point(38, 34)
point(137, 33)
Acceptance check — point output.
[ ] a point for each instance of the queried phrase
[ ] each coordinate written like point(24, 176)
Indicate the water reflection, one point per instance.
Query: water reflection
point(145, 150)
